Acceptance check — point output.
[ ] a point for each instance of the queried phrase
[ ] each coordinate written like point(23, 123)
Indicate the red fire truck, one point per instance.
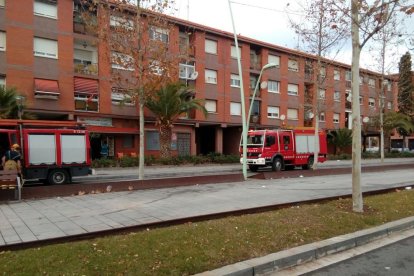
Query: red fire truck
point(283, 148)
point(52, 151)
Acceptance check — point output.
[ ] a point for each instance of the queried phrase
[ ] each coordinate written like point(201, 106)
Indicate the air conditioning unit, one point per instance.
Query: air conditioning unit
point(194, 75)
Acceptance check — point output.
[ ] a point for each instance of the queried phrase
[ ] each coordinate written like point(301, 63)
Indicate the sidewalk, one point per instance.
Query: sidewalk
point(151, 172)
point(37, 220)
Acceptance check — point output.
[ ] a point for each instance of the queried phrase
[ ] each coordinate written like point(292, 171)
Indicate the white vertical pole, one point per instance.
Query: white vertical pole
point(243, 109)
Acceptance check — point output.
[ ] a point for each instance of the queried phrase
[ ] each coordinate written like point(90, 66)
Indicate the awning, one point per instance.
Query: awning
point(86, 86)
point(49, 87)
point(113, 130)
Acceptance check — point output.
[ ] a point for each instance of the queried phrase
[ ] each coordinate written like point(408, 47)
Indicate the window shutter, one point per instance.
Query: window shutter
point(235, 108)
point(274, 59)
point(45, 9)
point(45, 47)
point(211, 46)
point(292, 113)
point(211, 106)
point(2, 41)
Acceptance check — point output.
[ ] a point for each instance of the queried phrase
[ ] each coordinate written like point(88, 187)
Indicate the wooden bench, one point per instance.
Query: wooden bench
point(9, 180)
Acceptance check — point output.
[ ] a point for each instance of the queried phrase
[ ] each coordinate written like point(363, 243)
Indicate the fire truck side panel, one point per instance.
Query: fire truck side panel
point(41, 149)
point(291, 147)
point(65, 151)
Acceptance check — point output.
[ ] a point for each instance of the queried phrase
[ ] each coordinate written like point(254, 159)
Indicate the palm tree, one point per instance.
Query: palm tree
point(340, 139)
point(395, 120)
point(8, 103)
point(9, 107)
point(168, 103)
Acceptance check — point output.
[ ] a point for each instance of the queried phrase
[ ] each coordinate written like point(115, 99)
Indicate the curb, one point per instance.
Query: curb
point(309, 252)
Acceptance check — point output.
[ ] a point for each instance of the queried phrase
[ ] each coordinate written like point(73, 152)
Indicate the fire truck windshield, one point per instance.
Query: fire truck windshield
point(255, 140)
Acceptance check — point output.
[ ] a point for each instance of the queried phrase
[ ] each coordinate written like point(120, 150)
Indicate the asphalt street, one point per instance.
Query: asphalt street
point(393, 259)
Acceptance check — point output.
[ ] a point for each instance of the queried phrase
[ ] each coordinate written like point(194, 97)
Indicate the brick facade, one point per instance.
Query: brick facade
point(219, 132)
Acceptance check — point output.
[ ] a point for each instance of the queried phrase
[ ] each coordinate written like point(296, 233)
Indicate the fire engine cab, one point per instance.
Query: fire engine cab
point(52, 151)
point(283, 148)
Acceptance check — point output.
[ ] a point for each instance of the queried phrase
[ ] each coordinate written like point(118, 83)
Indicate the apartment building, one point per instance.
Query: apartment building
point(47, 53)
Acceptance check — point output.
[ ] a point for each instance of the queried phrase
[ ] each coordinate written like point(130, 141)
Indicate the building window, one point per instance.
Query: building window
point(211, 106)
point(274, 60)
point(2, 41)
point(322, 116)
point(45, 8)
point(348, 75)
point(211, 76)
point(322, 71)
point(85, 102)
point(337, 96)
point(371, 82)
point(234, 80)
point(159, 34)
point(337, 75)
point(86, 94)
point(152, 140)
point(122, 61)
point(292, 114)
point(336, 118)
point(293, 89)
point(127, 141)
point(389, 105)
point(234, 53)
point(272, 112)
point(388, 84)
point(187, 71)
point(322, 93)
point(2, 2)
point(293, 65)
point(371, 102)
point(273, 86)
point(121, 96)
point(43, 47)
point(3, 81)
point(211, 46)
point(46, 89)
point(235, 109)
point(121, 22)
point(361, 80)
point(361, 100)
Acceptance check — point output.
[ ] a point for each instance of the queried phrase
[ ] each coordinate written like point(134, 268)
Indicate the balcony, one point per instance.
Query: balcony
point(86, 69)
point(82, 26)
point(187, 50)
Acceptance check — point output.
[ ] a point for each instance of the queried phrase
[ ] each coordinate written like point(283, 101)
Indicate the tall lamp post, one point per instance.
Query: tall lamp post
point(267, 66)
point(19, 102)
point(245, 123)
point(243, 110)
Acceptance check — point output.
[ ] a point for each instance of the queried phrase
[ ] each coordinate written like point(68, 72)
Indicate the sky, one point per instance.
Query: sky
point(268, 21)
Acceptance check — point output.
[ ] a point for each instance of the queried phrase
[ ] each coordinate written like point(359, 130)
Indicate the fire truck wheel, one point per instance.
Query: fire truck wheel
point(58, 177)
point(253, 168)
point(277, 164)
point(309, 164)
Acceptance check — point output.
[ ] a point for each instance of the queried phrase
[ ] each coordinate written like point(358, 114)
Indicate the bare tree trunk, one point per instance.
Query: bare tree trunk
point(356, 120)
point(382, 95)
point(316, 150)
point(141, 139)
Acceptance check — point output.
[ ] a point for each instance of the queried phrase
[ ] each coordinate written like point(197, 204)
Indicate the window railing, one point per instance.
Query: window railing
point(86, 69)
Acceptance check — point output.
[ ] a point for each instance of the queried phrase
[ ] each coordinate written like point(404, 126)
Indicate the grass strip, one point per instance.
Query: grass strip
point(196, 247)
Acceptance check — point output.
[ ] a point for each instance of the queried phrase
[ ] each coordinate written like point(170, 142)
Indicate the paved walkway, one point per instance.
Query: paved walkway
point(34, 220)
point(189, 170)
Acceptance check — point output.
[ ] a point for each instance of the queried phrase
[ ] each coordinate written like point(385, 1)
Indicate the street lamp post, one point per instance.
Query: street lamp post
point(243, 110)
point(245, 122)
point(256, 87)
point(19, 101)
